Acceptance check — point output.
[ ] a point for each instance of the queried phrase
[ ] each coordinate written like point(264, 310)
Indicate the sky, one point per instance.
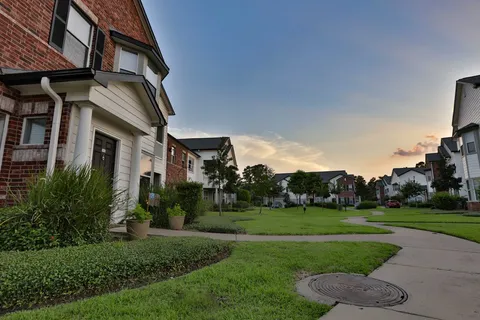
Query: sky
point(361, 86)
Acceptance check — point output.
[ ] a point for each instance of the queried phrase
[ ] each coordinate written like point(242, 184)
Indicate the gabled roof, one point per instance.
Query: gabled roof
point(469, 127)
point(179, 142)
point(325, 175)
point(387, 179)
point(91, 76)
point(432, 157)
point(473, 80)
point(401, 171)
point(450, 143)
point(213, 143)
point(443, 152)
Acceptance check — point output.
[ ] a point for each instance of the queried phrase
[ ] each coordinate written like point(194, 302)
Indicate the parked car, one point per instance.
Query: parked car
point(392, 204)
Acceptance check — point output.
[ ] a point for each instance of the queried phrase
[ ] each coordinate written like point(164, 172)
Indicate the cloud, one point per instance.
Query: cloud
point(273, 150)
point(420, 148)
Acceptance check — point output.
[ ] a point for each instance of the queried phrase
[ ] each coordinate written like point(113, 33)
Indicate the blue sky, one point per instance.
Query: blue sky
point(317, 85)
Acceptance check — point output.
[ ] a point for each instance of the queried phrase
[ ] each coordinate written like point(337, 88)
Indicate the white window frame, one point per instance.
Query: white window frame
point(474, 148)
point(90, 39)
point(148, 154)
point(120, 60)
point(4, 137)
point(24, 126)
point(191, 168)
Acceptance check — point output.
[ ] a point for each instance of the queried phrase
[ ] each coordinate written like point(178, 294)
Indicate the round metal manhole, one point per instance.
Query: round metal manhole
point(357, 290)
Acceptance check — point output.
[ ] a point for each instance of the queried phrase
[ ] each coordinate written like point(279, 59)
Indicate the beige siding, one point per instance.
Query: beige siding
point(122, 101)
point(470, 106)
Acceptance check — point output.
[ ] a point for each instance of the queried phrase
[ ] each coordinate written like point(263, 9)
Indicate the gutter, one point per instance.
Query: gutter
point(57, 116)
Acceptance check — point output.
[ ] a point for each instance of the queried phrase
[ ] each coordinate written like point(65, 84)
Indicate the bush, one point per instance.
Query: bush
point(168, 197)
point(190, 198)
point(241, 205)
point(244, 195)
point(176, 211)
point(367, 205)
point(328, 205)
point(217, 224)
point(73, 205)
point(420, 205)
point(445, 201)
point(139, 214)
point(62, 274)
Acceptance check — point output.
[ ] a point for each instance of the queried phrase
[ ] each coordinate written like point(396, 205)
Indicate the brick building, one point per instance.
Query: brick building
point(179, 160)
point(81, 83)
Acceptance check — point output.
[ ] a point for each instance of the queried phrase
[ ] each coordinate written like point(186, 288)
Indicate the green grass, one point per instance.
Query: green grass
point(454, 224)
point(210, 223)
point(255, 282)
point(292, 221)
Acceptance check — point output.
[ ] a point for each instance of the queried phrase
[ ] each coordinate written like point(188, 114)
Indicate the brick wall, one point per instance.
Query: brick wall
point(176, 171)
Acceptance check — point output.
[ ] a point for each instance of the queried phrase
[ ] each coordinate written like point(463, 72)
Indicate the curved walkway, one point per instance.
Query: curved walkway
point(441, 273)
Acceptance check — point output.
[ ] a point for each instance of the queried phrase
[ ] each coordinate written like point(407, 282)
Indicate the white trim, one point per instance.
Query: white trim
point(118, 153)
point(23, 131)
point(120, 60)
point(4, 137)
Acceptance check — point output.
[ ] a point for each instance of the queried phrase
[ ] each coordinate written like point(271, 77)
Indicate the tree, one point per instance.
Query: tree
point(275, 189)
point(420, 164)
point(313, 183)
point(217, 171)
point(446, 179)
point(232, 182)
point(258, 179)
point(361, 188)
point(411, 189)
point(323, 191)
point(372, 189)
point(296, 183)
point(336, 188)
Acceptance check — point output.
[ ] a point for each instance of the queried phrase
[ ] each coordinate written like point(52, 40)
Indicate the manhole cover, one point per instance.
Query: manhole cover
point(353, 289)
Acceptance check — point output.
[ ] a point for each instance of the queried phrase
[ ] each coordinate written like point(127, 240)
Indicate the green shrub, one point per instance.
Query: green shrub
point(445, 201)
point(168, 197)
point(62, 274)
point(74, 205)
point(420, 205)
point(139, 214)
point(217, 224)
point(328, 205)
point(367, 205)
point(244, 195)
point(241, 205)
point(176, 211)
point(190, 198)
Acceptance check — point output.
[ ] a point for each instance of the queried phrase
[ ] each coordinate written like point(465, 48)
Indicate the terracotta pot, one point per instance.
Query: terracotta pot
point(176, 222)
point(138, 230)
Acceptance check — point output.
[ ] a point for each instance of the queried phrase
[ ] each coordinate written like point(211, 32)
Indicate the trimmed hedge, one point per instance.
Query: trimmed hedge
point(446, 201)
point(367, 205)
point(190, 199)
point(63, 274)
point(420, 205)
point(217, 224)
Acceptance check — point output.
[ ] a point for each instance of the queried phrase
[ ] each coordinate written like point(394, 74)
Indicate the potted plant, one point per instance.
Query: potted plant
point(138, 222)
point(176, 217)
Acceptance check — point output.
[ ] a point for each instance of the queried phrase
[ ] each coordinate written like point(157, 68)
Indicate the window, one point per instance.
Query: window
point(128, 62)
point(34, 130)
point(172, 154)
point(470, 147)
point(71, 33)
point(152, 78)
point(184, 159)
point(191, 163)
point(99, 49)
point(157, 179)
point(146, 166)
point(160, 134)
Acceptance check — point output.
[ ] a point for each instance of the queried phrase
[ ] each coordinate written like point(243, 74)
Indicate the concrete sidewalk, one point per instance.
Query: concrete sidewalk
point(440, 273)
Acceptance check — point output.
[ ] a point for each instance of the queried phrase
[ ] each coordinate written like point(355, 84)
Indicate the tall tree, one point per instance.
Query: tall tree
point(296, 183)
point(259, 179)
point(323, 191)
point(313, 183)
point(372, 189)
point(232, 183)
point(217, 171)
point(336, 188)
point(411, 189)
point(361, 188)
point(274, 190)
point(446, 179)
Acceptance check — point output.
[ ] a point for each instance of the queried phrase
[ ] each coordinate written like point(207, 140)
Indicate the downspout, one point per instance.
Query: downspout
point(57, 116)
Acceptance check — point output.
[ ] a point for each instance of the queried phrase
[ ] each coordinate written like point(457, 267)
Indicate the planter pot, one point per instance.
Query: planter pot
point(138, 230)
point(176, 222)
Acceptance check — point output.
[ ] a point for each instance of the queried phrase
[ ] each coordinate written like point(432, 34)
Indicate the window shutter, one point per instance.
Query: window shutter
point(99, 49)
point(59, 23)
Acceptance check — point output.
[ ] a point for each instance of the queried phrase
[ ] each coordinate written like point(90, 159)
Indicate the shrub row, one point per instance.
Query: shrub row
point(420, 205)
point(367, 205)
point(328, 205)
point(218, 224)
point(62, 274)
point(446, 201)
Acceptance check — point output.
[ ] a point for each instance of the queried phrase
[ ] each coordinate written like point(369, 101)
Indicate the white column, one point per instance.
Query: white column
point(135, 170)
point(215, 197)
point(80, 156)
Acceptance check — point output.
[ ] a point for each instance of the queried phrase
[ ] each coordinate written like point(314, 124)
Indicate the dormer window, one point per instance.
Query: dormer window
point(152, 78)
point(128, 62)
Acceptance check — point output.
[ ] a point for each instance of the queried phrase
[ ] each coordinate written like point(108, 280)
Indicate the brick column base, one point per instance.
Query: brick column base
point(473, 205)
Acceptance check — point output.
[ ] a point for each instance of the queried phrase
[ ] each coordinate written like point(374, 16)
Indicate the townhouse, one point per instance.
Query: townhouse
point(81, 83)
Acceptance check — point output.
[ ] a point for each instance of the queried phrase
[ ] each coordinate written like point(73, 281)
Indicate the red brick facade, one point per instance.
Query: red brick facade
point(24, 38)
point(176, 168)
point(348, 183)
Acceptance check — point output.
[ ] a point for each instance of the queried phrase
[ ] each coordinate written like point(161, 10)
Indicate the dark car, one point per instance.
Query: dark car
point(392, 204)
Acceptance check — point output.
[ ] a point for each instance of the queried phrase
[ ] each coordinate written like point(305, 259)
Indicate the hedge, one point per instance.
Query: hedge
point(446, 201)
point(244, 195)
point(328, 205)
point(367, 205)
point(190, 199)
point(217, 224)
point(57, 275)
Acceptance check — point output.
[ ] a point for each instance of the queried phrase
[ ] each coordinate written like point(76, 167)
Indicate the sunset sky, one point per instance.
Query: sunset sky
point(363, 86)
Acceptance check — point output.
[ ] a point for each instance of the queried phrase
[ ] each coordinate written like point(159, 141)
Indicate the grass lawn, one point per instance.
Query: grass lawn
point(452, 224)
point(255, 282)
point(293, 221)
